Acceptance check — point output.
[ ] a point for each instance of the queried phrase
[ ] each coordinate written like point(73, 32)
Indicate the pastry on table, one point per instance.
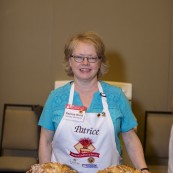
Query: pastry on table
point(119, 169)
point(50, 167)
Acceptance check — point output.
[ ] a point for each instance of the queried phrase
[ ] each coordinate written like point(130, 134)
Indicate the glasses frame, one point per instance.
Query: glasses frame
point(75, 57)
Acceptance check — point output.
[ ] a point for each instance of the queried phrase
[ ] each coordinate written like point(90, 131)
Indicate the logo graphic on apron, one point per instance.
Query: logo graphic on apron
point(84, 148)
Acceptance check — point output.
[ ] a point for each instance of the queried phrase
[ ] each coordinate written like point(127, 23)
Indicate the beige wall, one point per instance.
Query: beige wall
point(138, 36)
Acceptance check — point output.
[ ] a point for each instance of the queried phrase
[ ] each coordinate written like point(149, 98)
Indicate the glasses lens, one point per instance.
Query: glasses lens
point(78, 58)
point(92, 59)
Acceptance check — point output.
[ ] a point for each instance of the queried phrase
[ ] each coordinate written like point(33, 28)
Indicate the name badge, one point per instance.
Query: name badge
point(74, 113)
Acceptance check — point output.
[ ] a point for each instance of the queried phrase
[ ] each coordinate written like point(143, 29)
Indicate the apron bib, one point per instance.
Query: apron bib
point(85, 141)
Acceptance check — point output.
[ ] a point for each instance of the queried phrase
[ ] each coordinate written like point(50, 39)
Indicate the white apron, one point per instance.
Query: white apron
point(87, 145)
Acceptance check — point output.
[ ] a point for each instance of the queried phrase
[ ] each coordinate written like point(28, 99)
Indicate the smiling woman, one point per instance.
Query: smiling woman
point(89, 142)
point(84, 70)
point(89, 38)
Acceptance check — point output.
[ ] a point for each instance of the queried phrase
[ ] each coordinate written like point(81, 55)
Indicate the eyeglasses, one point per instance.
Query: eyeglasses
point(80, 59)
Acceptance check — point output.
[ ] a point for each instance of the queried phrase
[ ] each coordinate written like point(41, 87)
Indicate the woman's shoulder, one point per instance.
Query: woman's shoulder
point(113, 93)
point(109, 88)
point(60, 94)
point(61, 90)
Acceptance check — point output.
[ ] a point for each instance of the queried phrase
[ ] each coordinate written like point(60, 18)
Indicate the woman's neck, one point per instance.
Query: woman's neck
point(86, 86)
point(86, 91)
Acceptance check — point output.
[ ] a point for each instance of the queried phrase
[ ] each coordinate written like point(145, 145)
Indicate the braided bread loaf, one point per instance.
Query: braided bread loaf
point(50, 167)
point(119, 169)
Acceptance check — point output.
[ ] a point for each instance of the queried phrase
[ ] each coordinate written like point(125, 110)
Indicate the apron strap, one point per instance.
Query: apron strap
point(103, 97)
point(70, 100)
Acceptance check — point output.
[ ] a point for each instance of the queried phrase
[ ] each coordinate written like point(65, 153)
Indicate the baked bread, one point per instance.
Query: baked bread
point(119, 169)
point(50, 167)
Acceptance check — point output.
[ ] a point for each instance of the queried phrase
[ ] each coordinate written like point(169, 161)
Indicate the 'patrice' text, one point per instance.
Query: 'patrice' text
point(91, 131)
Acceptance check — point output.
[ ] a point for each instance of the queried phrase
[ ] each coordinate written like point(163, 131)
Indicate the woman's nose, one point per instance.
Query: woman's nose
point(85, 61)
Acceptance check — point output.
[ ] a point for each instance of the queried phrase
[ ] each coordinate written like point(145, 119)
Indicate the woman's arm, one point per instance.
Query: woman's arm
point(134, 149)
point(45, 145)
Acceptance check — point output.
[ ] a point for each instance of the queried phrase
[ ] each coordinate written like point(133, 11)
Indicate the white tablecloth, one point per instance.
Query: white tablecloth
point(170, 163)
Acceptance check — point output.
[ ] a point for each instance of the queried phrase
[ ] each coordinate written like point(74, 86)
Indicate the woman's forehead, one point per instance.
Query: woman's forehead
point(85, 48)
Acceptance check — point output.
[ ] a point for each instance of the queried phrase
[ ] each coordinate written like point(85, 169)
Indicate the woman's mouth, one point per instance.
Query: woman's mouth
point(85, 70)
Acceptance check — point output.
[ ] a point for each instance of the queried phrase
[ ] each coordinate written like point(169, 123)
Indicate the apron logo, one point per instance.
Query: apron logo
point(85, 148)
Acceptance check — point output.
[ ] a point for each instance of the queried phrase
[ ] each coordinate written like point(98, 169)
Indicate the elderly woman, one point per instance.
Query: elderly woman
point(81, 121)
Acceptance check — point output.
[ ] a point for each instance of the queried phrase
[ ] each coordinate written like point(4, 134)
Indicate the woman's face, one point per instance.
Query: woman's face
point(84, 70)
